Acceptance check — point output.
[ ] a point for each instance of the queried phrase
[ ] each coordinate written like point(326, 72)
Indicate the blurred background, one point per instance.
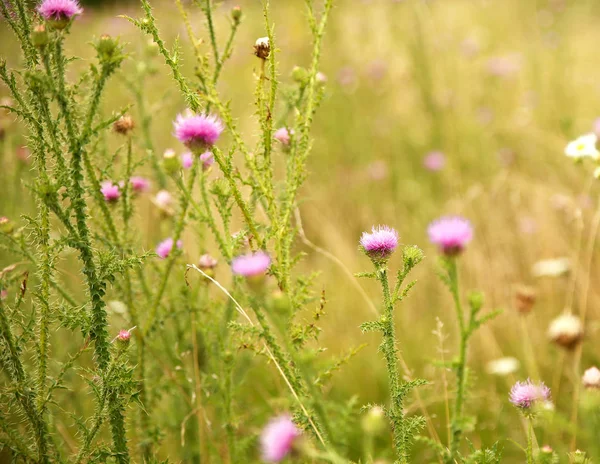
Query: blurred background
point(431, 108)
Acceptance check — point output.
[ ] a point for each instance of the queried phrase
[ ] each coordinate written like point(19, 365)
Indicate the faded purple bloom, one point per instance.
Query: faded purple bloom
point(277, 438)
point(164, 248)
point(187, 160)
point(207, 159)
point(139, 184)
point(59, 10)
point(450, 234)
point(525, 394)
point(110, 191)
point(434, 161)
point(380, 243)
point(283, 136)
point(198, 131)
point(252, 264)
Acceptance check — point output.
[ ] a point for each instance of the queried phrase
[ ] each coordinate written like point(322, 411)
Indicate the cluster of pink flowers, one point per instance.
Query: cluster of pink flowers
point(277, 438)
point(198, 131)
point(380, 243)
point(164, 248)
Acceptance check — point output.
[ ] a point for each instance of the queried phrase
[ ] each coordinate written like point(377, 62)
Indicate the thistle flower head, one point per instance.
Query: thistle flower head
point(262, 48)
point(139, 184)
point(583, 147)
point(207, 159)
point(110, 191)
point(380, 243)
point(206, 261)
point(123, 125)
point(524, 395)
point(187, 160)
point(591, 378)
point(283, 136)
point(164, 248)
point(124, 335)
point(59, 10)
point(450, 234)
point(566, 330)
point(434, 161)
point(277, 438)
point(164, 201)
point(251, 265)
point(198, 131)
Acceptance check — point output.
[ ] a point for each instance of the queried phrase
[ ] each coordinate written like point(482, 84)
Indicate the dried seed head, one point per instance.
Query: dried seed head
point(124, 125)
point(525, 297)
point(262, 48)
point(566, 331)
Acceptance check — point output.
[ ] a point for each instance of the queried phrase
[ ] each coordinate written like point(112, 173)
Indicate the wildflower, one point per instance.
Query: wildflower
point(206, 261)
point(591, 378)
point(283, 136)
point(39, 36)
point(551, 267)
point(524, 298)
point(164, 201)
point(123, 338)
point(566, 330)
point(277, 438)
point(583, 147)
point(374, 421)
point(251, 265)
point(139, 184)
point(164, 248)
point(321, 78)
point(123, 125)
point(207, 159)
point(170, 162)
point(58, 13)
point(236, 14)
point(6, 225)
point(110, 191)
point(262, 48)
point(524, 395)
point(450, 234)
point(434, 161)
point(187, 160)
point(198, 131)
point(503, 366)
point(380, 243)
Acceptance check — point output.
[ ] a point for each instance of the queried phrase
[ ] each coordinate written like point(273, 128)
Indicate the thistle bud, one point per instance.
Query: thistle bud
point(280, 301)
point(299, 74)
point(207, 264)
point(39, 36)
point(591, 378)
point(123, 338)
point(524, 299)
point(6, 225)
point(262, 48)
point(236, 14)
point(374, 421)
point(566, 331)
point(124, 125)
point(107, 48)
point(170, 162)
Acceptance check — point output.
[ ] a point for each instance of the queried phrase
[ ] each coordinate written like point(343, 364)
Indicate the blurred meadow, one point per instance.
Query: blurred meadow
point(494, 89)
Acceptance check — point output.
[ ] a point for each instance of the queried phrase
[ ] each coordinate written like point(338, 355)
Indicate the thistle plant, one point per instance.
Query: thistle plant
point(379, 245)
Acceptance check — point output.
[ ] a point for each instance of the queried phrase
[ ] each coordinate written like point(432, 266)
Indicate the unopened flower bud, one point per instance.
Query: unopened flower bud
point(566, 331)
point(524, 299)
point(280, 301)
point(262, 48)
point(107, 48)
point(170, 162)
point(123, 338)
point(374, 421)
point(236, 14)
point(6, 225)
point(591, 378)
point(299, 74)
point(39, 36)
point(124, 125)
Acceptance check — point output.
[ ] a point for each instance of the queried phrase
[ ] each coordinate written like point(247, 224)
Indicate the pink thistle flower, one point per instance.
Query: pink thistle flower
point(59, 10)
point(110, 191)
point(434, 161)
point(206, 261)
point(198, 131)
point(164, 248)
point(3, 294)
point(450, 234)
point(207, 159)
point(380, 243)
point(187, 160)
point(526, 394)
point(164, 201)
point(139, 184)
point(124, 336)
point(251, 265)
point(277, 438)
point(283, 136)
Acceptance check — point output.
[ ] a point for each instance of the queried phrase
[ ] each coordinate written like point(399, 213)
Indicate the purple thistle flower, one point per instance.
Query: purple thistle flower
point(380, 243)
point(277, 438)
point(525, 394)
point(139, 184)
point(434, 161)
point(283, 136)
point(110, 191)
point(124, 336)
point(207, 159)
point(450, 234)
point(59, 10)
point(187, 160)
point(251, 265)
point(164, 248)
point(198, 131)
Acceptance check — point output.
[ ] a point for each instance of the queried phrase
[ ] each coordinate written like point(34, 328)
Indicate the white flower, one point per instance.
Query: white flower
point(582, 147)
point(503, 366)
point(551, 267)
